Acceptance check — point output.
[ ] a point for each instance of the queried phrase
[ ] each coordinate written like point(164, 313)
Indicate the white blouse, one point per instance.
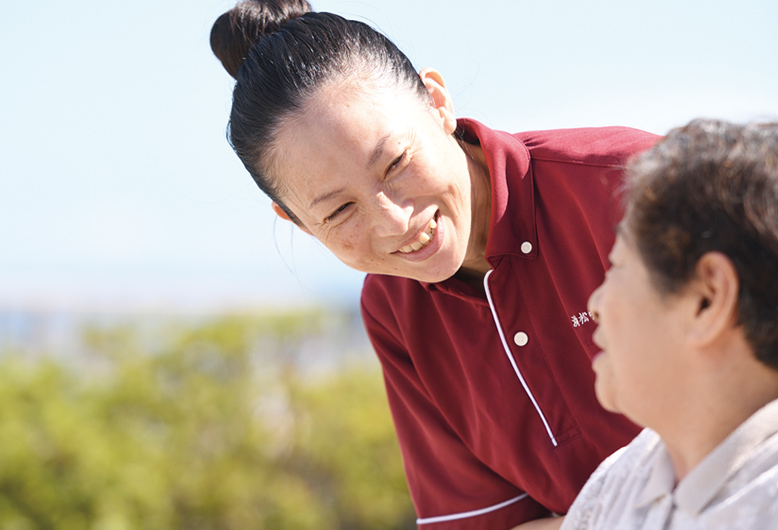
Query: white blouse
point(734, 487)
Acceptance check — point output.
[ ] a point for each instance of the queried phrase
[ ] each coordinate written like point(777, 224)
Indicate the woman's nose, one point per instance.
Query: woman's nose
point(390, 217)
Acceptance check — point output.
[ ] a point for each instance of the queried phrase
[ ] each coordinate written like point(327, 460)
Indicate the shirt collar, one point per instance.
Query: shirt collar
point(661, 480)
point(701, 485)
point(512, 219)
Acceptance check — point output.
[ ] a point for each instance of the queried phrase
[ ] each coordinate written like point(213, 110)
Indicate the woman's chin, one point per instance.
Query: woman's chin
point(433, 277)
point(437, 270)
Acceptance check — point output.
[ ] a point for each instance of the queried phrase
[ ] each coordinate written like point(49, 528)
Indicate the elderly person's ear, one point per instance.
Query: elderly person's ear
point(715, 291)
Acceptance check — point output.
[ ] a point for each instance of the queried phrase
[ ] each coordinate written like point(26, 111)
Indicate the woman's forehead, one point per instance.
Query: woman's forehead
point(345, 125)
point(350, 103)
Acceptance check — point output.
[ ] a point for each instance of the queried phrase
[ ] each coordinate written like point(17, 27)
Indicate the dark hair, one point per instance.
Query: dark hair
point(235, 32)
point(713, 186)
point(281, 53)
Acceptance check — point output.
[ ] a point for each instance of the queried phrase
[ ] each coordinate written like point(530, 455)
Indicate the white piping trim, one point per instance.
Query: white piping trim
point(465, 515)
point(513, 361)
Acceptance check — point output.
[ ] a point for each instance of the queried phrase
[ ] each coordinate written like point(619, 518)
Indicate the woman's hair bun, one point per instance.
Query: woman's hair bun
point(237, 31)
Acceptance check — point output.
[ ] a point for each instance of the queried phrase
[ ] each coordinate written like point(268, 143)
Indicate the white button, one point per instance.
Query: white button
point(526, 247)
point(521, 338)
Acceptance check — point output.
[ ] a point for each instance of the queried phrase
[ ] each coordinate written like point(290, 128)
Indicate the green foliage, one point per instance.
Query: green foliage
point(212, 426)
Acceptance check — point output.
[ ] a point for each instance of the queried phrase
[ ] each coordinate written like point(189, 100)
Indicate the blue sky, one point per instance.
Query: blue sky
point(119, 189)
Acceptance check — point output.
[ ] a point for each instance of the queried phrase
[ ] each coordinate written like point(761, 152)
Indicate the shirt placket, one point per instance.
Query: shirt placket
point(520, 338)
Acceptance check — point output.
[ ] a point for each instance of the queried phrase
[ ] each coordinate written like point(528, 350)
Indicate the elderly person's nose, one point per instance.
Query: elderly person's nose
point(390, 217)
point(593, 304)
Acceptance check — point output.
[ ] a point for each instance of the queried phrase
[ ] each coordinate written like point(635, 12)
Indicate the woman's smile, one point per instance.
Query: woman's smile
point(422, 239)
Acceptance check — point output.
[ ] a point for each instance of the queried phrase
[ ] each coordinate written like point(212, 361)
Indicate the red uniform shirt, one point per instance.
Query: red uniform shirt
point(493, 397)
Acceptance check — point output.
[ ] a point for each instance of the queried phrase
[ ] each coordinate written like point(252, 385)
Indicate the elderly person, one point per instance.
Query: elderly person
point(688, 326)
point(481, 249)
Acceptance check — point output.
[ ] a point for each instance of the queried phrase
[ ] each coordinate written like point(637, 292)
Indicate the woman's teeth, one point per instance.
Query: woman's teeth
point(424, 238)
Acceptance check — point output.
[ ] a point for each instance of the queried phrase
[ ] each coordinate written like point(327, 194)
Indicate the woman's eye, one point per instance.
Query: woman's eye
point(396, 162)
point(337, 212)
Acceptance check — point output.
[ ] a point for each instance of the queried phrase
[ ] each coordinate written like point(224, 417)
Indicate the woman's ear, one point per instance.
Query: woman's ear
point(441, 99)
point(280, 212)
point(716, 287)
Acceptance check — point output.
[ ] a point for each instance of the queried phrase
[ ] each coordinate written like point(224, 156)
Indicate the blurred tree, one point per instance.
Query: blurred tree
point(209, 426)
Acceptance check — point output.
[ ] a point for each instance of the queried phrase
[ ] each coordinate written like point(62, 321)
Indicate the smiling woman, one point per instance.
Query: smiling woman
point(481, 248)
point(398, 194)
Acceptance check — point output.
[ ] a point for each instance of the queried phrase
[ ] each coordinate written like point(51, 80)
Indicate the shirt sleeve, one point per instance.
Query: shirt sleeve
point(611, 489)
point(583, 513)
point(450, 487)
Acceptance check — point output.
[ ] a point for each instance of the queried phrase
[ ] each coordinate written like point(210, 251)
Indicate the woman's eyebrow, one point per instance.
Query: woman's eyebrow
point(324, 197)
point(378, 151)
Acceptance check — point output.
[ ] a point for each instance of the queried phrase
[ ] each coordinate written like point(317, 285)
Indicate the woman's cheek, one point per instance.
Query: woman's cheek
point(339, 240)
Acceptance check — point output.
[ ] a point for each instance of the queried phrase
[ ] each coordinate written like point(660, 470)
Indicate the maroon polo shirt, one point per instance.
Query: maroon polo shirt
point(493, 396)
